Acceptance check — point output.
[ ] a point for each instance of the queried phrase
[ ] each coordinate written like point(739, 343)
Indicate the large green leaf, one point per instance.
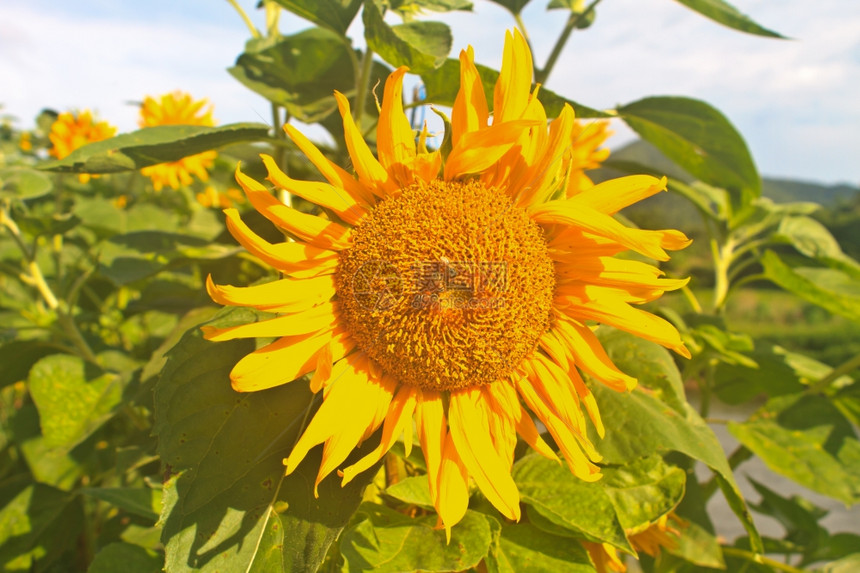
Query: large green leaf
point(642, 425)
point(814, 240)
point(806, 438)
point(153, 145)
point(699, 139)
point(777, 372)
point(127, 558)
point(335, 15)
point(388, 541)
point(627, 498)
point(37, 524)
point(74, 398)
point(443, 83)
point(421, 45)
point(23, 183)
point(727, 15)
point(524, 547)
point(298, 72)
point(832, 289)
point(227, 504)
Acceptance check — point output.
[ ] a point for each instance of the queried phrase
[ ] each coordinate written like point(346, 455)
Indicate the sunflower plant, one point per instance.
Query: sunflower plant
point(442, 340)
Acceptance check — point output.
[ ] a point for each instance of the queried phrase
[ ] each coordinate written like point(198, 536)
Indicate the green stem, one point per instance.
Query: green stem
point(841, 370)
point(361, 86)
point(746, 280)
point(690, 296)
point(760, 559)
point(573, 20)
point(722, 259)
point(253, 29)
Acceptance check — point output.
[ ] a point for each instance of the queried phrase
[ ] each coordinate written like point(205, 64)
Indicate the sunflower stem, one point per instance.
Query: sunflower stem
point(573, 21)
point(848, 366)
point(760, 559)
point(361, 86)
point(244, 15)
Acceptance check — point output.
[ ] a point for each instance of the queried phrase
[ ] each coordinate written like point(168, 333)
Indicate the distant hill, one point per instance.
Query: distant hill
point(778, 189)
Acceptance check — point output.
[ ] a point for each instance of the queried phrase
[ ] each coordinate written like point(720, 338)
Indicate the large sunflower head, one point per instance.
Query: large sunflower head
point(455, 295)
point(71, 131)
point(177, 108)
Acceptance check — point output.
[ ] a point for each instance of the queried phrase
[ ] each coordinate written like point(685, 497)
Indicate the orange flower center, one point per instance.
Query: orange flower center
point(447, 286)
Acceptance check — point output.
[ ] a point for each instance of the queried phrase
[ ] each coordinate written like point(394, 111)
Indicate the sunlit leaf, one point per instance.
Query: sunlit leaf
point(333, 14)
point(524, 547)
point(814, 240)
point(299, 72)
point(413, 490)
point(23, 183)
point(37, 524)
point(421, 45)
point(627, 497)
point(727, 15)
point(227, 504)
point(74, 397)
point(442, 84)
point(153, 145)
point(384, 540)
point(127, 558)
point(805, 438)
point(700, 140)
point(643, 425)
point(831, 289)
point(515, 6)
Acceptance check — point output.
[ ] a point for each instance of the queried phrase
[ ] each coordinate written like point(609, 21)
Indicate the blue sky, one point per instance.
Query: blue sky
point(796, 101)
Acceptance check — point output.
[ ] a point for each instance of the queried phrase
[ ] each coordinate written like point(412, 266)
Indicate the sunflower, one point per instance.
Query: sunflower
point(177, 108)
point(70, 131)
point(453, 296)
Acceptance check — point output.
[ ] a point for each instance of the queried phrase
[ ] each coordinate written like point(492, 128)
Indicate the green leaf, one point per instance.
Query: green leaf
point(298, 72)
point(127, 558)
point(700, 140)
point(443, 83)
point(37, 525)
point(514, 6)
point(805, 438)
point(778, 372)
point(814, 240)
point(699, 547)
point(141, 501)
point(406, 7)
point(23, 183)
point(388, 541)
point(153, 145)
point(335, 15)
point(848, 564)
point(795, 515)
point(524, 547)
point(74, 398)
point(727, 15)
point(227, 504)
point(577, 7)
point(644, 425)
point(413, 490)
point(627, 498)
point(831, 289)
point(423, 46)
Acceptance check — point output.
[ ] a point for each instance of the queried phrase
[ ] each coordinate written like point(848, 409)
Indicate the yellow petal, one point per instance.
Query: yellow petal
point(322, 194)
point(471, 434)
point(613, 195)
point(293, 258)
point(567, 212)
point(309, 228)
point(333, 173)
point(430, 423)
point(285, 295)
point(305, 322)
point(399, 416)
point(513, 87)
point(286, 359)
point(617, 313)
point(470, 106)
point(395, 140)
point(452, 499)
point(589, 355)
point(479, 150)
point(542, 178)
point(322, 372)
point(370, 172)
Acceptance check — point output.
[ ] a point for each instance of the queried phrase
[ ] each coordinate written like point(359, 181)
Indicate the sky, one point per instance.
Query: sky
point(797, 101)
